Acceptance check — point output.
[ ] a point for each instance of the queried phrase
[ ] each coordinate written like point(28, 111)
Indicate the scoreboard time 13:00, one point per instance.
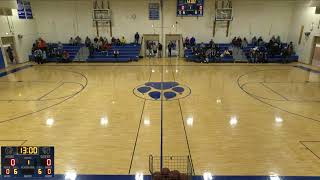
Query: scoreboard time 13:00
point(27, 161)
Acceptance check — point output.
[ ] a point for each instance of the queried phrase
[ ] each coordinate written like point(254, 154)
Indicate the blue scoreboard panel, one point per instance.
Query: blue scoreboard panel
point(190, 7)
point(27, 162)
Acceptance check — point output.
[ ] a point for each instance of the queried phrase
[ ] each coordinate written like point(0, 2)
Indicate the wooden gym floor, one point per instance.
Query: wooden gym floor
point(238, 119)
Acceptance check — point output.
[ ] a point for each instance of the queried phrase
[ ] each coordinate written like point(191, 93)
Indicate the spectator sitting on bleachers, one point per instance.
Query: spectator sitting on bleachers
point(290, 46)
point(87, 42)
point(226, 53)
point(65, 57)
point(234, 42)
point(244, 43)
point(42, 44)
point(101, 39)
point(34, 47)
point(96, 39)
point(100, 44)
point(123, 40)
point(254, 41)
point(202, 45)
point(78, 41)
point(71, 41)
point(113, 40)
point(278, 40)
point(116, 53)
point(193, 41)
point(106, 40)
point(60, 46)
point(285, 54)
point(254, 54)
point(187, 42)
point(239, 42)
point(211, 44)
point(136, 38)
point(260, 41)
point(273, 39)
point(96, 45)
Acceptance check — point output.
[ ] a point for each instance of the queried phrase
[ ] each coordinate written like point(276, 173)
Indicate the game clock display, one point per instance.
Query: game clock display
point(190, 7)
point(27, 161)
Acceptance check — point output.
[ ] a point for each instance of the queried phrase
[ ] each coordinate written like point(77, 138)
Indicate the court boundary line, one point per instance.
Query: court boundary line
point(303, 143)
point(184, 127)
point(293, 100)
point(266, 103)
point(53, 105)
point(138, 131)
point(286, 99)
point(7, 140)
point(46, 94)
point(161, 121)
point(198, 65)
point(14, 70)
point(37, 100)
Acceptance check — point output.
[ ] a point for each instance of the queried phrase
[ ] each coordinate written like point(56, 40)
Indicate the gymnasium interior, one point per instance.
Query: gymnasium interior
point(160, 89)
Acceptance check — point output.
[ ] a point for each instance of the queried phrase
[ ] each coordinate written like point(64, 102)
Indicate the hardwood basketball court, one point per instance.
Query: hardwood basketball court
point(237, 119)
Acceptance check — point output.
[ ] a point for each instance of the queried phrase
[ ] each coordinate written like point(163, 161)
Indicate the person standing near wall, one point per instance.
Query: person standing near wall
point(136, 38)
point(170, 48)
point(160, 50)
point(10, 54)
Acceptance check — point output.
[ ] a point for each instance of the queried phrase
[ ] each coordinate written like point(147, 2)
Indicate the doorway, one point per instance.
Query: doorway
point(175, 41)
point(316, 52)
point(7, 42)
point(150, 43)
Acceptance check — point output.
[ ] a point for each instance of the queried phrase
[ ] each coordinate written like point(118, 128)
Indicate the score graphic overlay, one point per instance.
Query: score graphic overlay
point(27, 161)
point(190, 7)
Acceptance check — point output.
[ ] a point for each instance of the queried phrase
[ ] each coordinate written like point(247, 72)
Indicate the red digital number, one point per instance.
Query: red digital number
point(49, 171)
point(7, 171)
point(12, 162)
point(48, 162)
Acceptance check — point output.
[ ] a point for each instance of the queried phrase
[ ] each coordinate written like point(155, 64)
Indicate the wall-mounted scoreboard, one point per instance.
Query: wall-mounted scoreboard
point(190, 7)
point(27, 162)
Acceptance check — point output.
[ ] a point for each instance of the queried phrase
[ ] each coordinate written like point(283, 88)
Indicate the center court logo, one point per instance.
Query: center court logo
point(166, 90)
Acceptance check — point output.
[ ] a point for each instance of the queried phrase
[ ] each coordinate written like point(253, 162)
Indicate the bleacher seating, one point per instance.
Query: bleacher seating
point(223, 46)
point(128, 52)
point(71, 49)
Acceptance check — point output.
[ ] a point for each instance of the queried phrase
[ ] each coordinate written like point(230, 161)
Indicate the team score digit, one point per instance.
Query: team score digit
point(49, 171)
point(39, 171)
point(28, 150)
point(15, 171)
point(7, 171)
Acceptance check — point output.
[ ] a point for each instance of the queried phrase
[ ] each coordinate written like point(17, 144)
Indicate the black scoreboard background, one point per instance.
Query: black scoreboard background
point(27, 162)
point(190, 7)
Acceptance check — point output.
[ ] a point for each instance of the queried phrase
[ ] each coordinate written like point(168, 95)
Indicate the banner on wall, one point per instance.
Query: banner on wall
point(154, 12)
point(24, 9)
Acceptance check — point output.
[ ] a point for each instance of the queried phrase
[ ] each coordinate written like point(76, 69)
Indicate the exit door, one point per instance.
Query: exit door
point(176, 44)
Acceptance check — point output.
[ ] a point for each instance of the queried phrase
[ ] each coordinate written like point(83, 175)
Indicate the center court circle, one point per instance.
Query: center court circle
point(167, 91)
